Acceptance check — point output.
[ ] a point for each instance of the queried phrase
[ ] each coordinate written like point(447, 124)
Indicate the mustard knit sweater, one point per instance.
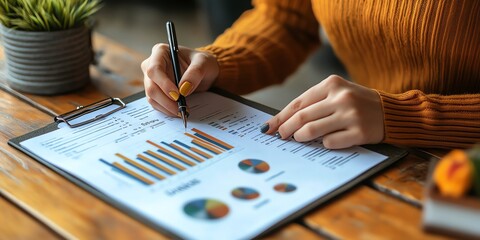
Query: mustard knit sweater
point(422, 56)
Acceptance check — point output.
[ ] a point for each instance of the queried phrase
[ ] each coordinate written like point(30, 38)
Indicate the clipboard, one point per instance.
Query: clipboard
point(393, 153)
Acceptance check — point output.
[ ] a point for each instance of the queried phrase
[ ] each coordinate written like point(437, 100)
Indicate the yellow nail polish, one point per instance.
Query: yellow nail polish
point(174, 95)
point(185, 88)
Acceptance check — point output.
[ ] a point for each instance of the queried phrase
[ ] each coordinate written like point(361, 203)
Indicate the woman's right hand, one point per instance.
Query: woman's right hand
point(199, 71)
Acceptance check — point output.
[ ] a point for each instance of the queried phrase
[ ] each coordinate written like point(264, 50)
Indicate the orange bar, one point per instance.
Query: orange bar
point(184, 160)
point(186, 152)
point(204, 154)
point(166, 160)
point(206, 146)
point(212, 138)
point(156, 164)
point(205, 142)
point(132, 173)
point(143, 168)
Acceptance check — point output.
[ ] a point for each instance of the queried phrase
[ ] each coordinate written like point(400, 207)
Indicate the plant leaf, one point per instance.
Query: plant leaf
point(46, 15)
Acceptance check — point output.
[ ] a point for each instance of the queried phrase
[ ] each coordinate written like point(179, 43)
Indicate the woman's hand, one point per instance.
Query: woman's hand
point(199, 71)
point(343, 113)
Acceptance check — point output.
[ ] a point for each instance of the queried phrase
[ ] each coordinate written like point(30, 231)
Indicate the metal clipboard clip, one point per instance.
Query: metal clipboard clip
point(84, 110)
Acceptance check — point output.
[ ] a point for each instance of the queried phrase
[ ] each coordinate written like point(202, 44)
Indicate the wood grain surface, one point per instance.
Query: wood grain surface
point(364, 213)
point(294, 231)
point(405, 179)
point(16, 224)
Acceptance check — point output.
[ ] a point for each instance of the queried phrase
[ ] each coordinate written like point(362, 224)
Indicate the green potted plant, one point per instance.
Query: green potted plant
point(47, 44)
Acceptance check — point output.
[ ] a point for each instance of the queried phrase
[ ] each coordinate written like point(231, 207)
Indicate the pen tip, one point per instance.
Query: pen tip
point(184, 118)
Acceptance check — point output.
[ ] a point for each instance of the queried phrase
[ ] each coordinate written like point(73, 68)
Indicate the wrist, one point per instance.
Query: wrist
point(382, 109)
point(228, 68)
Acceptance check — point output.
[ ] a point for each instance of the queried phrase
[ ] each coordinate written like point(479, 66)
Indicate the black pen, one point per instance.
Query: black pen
point(173, 45)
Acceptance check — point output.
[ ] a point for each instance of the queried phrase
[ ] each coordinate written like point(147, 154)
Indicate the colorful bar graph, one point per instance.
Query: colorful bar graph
point(169, 157)
point(172, 154)
point(128, 172)
point(218, 150)
point(140, 167)
point(205, 146)
point(184, 151)
point(166, 160)
point(155, 164)
point(206, 155)
point(212, 139)
point(196, 150)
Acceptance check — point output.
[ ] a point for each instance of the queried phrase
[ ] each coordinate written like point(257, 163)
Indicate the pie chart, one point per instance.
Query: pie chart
point(254, 166)
point(206, 209)
point(285, 187)
point(245, 193)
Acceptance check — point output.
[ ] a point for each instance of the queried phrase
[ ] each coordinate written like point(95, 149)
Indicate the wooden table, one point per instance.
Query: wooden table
point(35, 202)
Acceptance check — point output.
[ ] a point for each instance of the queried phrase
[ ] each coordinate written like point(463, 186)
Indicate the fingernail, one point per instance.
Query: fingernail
point(264, 128)
point(174, 95)
point(277, 134)
point(185, 88)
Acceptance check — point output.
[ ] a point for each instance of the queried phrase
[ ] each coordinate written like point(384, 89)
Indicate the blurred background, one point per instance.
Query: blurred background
point(140, 24)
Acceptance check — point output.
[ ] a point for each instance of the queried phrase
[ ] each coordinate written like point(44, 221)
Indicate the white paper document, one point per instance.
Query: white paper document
point(219, 179)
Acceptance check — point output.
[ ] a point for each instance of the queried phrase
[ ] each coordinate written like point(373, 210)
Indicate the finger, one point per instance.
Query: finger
point(312, 95)
point(157, 98)
point(319, 128)
point(194, 74)
point(159, 107)
point(316, 111)
point(340, 139)
point(317, 93)
point(157, 70)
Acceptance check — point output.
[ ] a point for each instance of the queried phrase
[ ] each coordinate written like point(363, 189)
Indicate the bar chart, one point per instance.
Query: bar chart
point(168, 158)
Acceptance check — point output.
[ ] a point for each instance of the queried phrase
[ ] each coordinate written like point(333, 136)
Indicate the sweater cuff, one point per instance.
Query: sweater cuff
point(402, 116)
point(228, 69)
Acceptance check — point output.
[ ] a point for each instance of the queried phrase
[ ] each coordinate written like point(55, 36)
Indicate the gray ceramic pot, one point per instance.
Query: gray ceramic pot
point(47, 62)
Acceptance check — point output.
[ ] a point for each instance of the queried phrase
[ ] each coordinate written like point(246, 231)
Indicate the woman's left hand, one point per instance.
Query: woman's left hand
point(344, 114)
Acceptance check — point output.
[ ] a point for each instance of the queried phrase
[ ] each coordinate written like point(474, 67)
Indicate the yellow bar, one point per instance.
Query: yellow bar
point(213, 138)
point(156, 164)
point(205, 142)
point(206, 155)
point(186, 152)
point(145, 169)
point(206, 146)
point(184, 160)
point(166, 160)
point(133, 174)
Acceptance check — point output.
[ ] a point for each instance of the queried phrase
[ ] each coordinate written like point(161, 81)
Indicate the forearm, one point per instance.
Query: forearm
point(265, 45)
point(430, 120)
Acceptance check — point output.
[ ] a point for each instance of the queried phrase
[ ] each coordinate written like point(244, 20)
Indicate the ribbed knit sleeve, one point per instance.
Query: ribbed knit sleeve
point(265, 45)
point(430, 120)
point(411, 51)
